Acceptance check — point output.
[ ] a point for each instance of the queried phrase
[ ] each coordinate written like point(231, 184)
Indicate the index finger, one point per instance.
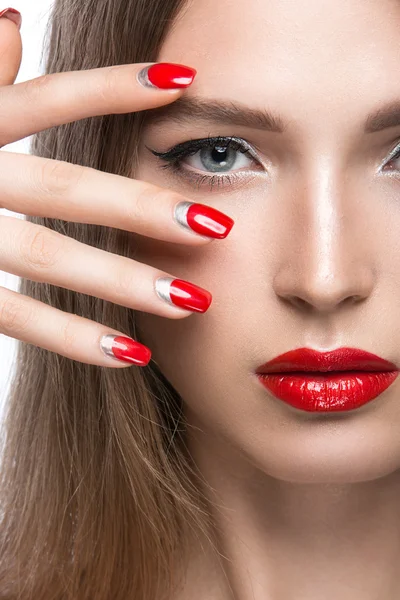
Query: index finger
point(59, 98)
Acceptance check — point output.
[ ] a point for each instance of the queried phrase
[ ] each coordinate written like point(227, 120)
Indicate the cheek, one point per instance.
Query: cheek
point(171, 337)
point(186, 350)
point(207, 358)
point(193, 351)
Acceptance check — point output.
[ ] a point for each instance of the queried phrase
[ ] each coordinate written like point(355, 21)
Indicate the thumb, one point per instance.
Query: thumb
point(10, 46)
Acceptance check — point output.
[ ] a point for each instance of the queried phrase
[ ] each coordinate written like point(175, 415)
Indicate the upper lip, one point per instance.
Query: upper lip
point(341, 359)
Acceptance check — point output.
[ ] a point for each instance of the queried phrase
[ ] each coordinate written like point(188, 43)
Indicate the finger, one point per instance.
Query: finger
point(35, 186)
point(78, 338)
point(40, 254)
point(59, 98)
point(10, 46)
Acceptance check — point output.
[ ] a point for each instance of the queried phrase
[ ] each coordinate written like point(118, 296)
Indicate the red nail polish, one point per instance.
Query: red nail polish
point(12, 14)
point(125, 349)
point(183, 294)
point(170, 75)
point(205, 220)
point(190, 296)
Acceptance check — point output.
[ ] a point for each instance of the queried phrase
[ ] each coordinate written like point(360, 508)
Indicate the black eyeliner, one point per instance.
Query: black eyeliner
point(174, 157)
point(192, 146)
point(393, 154)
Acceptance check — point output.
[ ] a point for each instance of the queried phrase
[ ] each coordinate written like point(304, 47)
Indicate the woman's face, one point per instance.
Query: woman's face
point(317, 223)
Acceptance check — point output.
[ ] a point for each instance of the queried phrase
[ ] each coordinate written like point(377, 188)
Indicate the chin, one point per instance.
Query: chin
point(328, 458)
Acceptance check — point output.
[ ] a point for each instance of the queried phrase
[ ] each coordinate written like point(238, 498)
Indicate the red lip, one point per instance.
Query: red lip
point(342, 359)
point(330, 388)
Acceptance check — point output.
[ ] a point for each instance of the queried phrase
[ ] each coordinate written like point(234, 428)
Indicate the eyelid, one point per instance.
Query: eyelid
point(226, 140)
point(175, 156)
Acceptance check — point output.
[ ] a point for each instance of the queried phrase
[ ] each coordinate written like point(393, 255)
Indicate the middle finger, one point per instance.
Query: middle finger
point(59, 189)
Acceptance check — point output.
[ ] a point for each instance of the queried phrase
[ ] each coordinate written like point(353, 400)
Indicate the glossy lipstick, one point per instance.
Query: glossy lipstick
point(338, 380)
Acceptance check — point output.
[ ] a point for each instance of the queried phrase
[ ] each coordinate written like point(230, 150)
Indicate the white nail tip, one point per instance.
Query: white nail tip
point(180, 214)
point(143, 78)
point(162, 287)
point(180, 217)
point(106, 343)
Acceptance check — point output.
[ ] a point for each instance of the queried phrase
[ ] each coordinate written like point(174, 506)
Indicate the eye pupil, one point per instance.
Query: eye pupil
point(217, 157)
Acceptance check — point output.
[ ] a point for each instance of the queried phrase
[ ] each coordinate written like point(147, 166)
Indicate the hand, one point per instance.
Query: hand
point(57, 189)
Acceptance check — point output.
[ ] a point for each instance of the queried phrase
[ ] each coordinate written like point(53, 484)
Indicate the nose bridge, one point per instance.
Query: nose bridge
point(327, 261)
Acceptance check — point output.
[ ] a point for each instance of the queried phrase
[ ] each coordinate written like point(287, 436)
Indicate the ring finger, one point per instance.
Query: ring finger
point(40, 254)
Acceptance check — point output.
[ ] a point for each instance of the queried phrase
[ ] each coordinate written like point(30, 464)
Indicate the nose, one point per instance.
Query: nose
point(313, 290)
point(327, 263)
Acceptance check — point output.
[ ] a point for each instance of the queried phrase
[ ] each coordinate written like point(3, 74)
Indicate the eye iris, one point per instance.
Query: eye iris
point(227, 156)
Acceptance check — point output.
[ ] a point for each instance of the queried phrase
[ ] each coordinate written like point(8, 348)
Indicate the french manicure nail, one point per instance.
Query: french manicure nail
point(12, 14)
point(183, 294)
point(203, 219)
point(166, 76)
point(125, 349)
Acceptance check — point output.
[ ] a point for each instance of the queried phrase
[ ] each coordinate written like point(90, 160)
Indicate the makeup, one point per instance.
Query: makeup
point(202, 219)
point(183, 294)
point(125, 349)
point(166, 76)
point(337, 380)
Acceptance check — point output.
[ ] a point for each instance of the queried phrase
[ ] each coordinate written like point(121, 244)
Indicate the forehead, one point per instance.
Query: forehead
point(340, 50)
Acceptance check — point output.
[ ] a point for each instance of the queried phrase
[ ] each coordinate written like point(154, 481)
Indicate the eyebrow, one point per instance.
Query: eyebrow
point(187, 109)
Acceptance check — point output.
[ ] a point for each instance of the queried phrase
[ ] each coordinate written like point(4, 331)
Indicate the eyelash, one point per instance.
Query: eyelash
point(393, 155)
point(174, 157)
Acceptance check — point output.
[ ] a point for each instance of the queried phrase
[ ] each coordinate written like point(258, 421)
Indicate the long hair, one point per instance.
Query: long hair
point(98, 493)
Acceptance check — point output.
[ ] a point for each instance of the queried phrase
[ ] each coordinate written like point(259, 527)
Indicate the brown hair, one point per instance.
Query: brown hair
point(98, 492)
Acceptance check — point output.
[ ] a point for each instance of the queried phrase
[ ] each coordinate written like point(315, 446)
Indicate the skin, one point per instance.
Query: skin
point(309, 504)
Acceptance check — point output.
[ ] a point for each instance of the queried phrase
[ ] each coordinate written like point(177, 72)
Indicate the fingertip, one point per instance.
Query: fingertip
point(10, 52)
point(13, 15)
point(166, 76)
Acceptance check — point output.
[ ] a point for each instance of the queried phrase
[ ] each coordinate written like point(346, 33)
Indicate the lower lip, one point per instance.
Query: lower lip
point(327, 392)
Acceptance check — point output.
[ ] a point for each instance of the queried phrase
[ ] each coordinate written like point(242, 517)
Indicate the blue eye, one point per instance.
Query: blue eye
point(215, 154)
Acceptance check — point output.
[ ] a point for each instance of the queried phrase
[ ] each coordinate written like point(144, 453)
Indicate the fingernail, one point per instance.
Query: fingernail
point(183, 294)
point(166, 76)
point(13, 15)
point(203, 219)
point(125, 349)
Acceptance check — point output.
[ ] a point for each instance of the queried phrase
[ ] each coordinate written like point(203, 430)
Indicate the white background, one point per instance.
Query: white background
point(35, 14)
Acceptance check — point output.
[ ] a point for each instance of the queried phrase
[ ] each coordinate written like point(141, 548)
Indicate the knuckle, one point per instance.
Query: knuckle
point(29, 93)
point(162, 195)
point(110, 84)
point(138, 210)
point(56, 178)
point(15, 315)
point(40, 247)
point(123, 285)
point(69, 333)
point(32, 88)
